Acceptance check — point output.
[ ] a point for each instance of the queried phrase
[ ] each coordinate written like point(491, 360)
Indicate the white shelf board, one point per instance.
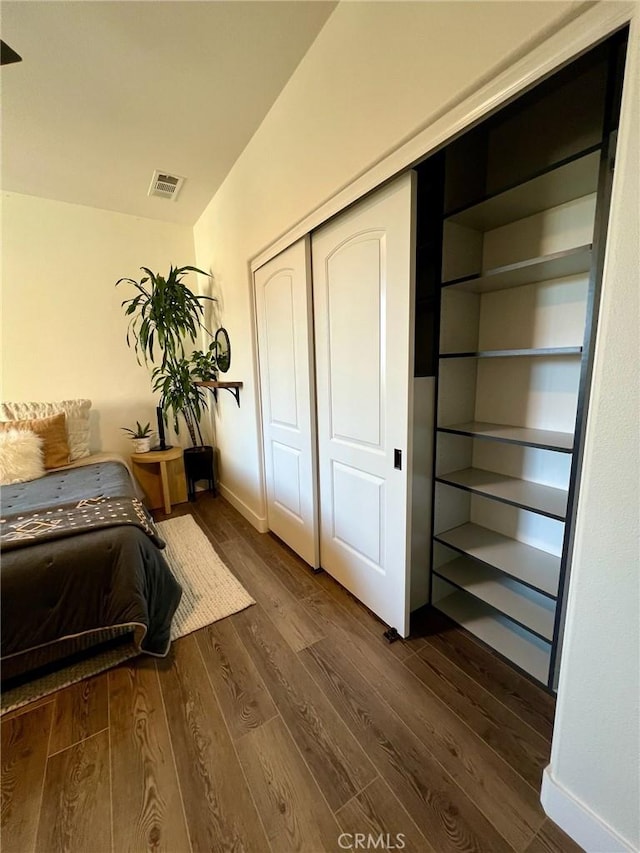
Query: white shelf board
point(531, 271)
point(527, 607)
point(543, 438)
point(535, 497)
point(537, 352)
point(572, 180)
point(531, 566)
point(526, 650)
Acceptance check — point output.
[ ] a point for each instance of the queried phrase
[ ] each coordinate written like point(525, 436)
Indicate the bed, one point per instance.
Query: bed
point(89, 587)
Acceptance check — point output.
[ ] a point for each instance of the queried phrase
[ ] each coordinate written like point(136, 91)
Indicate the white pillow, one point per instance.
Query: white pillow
point(77, 412)
point(20, 456)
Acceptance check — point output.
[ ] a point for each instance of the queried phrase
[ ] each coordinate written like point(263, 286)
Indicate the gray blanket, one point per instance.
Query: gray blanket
point(78, 586)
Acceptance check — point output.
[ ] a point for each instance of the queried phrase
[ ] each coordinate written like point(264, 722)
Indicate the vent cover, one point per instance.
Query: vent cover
point(164, 185)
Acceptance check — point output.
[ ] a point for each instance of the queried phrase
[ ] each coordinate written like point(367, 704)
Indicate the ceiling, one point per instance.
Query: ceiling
point(107, 92)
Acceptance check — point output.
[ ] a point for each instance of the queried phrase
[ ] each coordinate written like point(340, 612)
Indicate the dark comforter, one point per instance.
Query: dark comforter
point(86, 585)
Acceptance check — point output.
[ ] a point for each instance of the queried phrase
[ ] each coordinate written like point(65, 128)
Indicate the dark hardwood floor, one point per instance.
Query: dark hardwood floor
point(291, 726)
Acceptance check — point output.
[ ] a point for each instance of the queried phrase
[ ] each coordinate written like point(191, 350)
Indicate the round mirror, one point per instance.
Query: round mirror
point(223, 350)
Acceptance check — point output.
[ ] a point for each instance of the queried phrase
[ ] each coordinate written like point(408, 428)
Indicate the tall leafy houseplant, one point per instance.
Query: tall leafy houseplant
point(164, 316)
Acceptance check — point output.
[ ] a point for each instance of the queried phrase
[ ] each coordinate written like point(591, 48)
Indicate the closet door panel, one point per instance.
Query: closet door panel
point(285, 344)
point(354, 295)
point(363, 309)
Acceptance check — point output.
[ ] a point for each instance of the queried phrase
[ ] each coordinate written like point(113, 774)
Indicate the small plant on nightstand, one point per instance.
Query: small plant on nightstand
point(140, 436)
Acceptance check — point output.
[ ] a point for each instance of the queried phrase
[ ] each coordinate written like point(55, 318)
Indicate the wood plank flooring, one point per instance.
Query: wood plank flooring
point(291, 726)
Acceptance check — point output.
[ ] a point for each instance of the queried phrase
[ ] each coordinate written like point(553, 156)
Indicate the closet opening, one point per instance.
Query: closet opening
point(512, 220)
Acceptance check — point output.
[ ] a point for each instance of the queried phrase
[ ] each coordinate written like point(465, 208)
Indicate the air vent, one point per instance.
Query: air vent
point(165, 186)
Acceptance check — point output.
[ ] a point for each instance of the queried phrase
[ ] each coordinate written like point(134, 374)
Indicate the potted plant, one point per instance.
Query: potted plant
point(165, 316)
point(175, 383)
point(140, 436)
point(164, 313)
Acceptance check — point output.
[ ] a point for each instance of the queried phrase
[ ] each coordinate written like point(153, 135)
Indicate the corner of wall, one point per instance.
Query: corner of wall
point(578, 820)
point(260, 523)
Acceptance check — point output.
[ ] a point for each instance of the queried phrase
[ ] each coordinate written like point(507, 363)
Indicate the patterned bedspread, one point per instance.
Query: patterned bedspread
point(46, 525)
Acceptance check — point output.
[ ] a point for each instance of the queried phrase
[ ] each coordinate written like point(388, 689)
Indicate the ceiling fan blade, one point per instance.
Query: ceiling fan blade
point(8, 54)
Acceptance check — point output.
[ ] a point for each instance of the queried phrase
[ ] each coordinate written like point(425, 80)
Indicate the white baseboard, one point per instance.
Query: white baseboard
point(259, 522)
point(577, 820)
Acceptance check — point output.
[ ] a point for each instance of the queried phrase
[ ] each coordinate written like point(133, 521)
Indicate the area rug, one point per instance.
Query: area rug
point(209, 593)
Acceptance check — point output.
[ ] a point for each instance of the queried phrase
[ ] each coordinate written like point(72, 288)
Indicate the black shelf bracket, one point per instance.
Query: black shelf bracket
point(232, 387)
point(234, 391)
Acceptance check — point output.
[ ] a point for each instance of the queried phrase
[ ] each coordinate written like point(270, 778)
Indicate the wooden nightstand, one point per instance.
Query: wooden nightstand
point(161, 476)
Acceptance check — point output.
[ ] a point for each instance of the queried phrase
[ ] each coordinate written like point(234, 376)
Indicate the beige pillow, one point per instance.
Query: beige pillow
point(77, 412)
point(20, 457)
point(52, 431)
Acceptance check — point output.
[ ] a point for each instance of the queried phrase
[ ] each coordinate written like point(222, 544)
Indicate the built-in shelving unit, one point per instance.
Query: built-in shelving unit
point(558, 184)
point(519, 257)
point(545, 439)
point(519, 645)
point(530, 271)
point(515, 353)
point(547, 500)
point(528, 609)
point(531, 566)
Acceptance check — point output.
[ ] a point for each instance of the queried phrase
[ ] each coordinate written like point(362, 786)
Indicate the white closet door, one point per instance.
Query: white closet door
point(285, 342)
point(363, 303)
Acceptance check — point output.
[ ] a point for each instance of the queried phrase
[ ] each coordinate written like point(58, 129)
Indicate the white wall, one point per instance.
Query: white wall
point(592, 785)
point(63, 331)
point(376, 73)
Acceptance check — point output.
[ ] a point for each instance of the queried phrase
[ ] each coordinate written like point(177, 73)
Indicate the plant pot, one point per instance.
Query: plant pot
point(141, 445)
point(198, 465)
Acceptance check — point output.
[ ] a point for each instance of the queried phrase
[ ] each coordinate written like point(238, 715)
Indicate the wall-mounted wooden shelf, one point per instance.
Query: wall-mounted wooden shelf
point(233, 387)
